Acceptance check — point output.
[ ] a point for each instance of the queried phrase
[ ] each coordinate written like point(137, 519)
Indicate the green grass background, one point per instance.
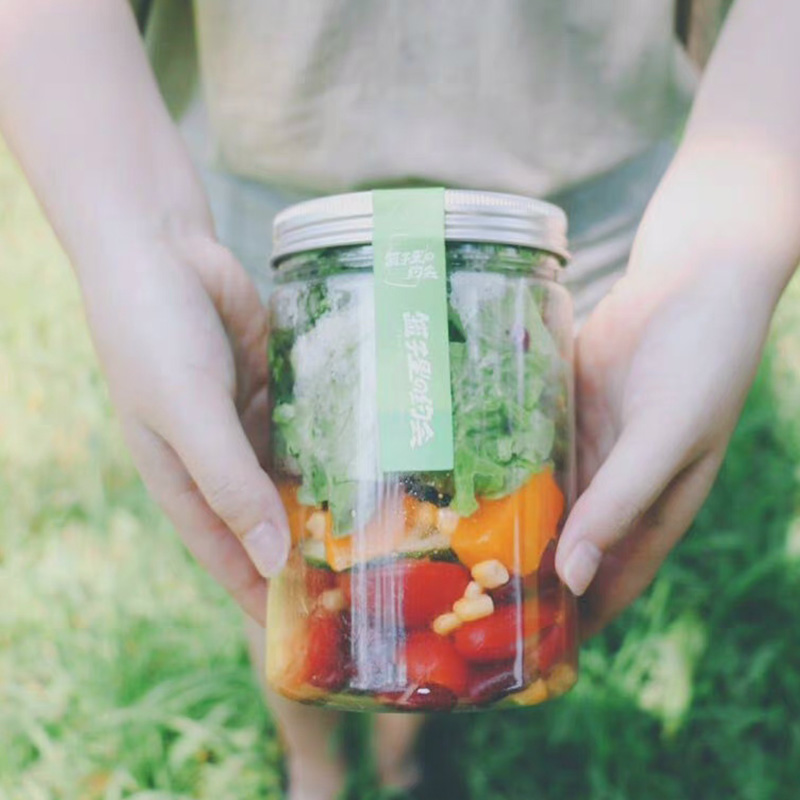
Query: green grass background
point(123, 671)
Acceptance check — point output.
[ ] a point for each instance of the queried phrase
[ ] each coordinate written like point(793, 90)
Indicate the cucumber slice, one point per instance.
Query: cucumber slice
point(436, 546)
point(313, 551)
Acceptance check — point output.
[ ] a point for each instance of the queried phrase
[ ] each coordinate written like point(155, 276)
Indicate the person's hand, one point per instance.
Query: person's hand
point(663, 366)
point(182, 338)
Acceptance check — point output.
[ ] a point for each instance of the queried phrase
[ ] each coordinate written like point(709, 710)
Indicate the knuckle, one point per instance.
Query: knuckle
point(227, 496)
point(625, 511)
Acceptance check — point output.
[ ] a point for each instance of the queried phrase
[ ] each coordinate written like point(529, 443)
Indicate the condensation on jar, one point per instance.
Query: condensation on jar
point(423, 590)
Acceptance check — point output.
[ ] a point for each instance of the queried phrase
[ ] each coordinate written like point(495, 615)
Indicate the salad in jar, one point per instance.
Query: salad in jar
point(422, 590)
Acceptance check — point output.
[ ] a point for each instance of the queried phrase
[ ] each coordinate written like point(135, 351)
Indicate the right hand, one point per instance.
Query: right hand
point(182, 337)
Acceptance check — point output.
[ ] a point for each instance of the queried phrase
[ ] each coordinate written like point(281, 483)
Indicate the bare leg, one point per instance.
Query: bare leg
point(395, 738)
point(316, 772)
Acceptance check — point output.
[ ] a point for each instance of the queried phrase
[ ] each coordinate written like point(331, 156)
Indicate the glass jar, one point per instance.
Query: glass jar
point(425, 590)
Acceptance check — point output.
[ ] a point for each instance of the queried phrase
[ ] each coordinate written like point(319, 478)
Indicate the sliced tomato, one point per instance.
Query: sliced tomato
point(431, 660)
point(317, 580)
point(419, 590)
point(502, 635)
point(558, 641)
point(550, 649)
point(327, 658)
point(547, 566)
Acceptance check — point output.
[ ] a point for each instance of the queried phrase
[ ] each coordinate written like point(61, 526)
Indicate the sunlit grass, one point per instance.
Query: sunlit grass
point(122, 667)
point(123, 671)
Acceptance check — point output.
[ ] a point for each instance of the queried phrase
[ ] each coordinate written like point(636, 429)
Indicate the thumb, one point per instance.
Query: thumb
point(210, 441)
point(634, 475)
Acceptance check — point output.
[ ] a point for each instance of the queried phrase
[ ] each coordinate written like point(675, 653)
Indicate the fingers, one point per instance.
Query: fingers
point(395, 738)
point(256, 424)
point(630, 566)
point(208, 539)
point(208, 437)
point(637, 471)
point(237, 302)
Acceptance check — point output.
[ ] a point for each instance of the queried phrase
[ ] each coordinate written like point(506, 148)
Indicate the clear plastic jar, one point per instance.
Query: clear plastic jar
point(425, 590)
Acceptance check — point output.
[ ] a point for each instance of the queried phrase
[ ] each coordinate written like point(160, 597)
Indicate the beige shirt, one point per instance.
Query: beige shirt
point(526, 96)
point(578, 100)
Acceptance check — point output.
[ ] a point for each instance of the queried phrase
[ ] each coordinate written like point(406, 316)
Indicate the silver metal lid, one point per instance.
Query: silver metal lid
point(470, 216)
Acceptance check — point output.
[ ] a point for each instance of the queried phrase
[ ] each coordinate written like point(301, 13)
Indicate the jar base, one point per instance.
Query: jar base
point(561, 679)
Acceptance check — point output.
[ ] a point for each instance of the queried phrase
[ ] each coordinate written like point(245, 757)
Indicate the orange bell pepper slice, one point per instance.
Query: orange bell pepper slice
point(397, 517)
point(515, 529)
point(379, 537)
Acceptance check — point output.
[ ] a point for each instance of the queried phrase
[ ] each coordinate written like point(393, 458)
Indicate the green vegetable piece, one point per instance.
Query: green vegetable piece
point(498, 379)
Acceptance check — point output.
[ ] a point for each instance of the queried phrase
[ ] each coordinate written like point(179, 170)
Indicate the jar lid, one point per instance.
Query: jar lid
point(470, 216)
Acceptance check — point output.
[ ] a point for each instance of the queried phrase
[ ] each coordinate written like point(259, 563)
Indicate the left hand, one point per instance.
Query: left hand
point(663, 367)
point(182, 339)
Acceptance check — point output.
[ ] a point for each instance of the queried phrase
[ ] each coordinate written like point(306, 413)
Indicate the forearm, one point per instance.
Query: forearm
point(178, 325)
point(732, 196)
point(80, 109)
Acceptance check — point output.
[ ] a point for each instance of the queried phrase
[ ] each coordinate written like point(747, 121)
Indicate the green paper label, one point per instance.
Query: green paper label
point(413, 360)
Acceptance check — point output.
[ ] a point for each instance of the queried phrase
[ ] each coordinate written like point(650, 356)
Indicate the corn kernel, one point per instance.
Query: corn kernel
point(315, 525)
point(561, 678)
point(332, 600)
point(426, 516)
point(533, 694)
point(472, 608)
point(490, 574)
point(473, 590)
point(447, 521)
point(445, 624)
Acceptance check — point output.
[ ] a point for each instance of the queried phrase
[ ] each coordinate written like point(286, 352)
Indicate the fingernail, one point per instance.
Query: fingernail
point(268, 548)
point(581, 566)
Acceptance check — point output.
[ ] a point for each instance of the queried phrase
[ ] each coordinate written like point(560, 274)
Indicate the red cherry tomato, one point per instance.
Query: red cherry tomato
point(494, 638)
point(429, 589)
point(431, 660)
point(326, 656)
point(421, 590)
point(501, 635)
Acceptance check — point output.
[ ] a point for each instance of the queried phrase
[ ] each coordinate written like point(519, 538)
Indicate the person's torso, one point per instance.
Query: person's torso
point(527, 96)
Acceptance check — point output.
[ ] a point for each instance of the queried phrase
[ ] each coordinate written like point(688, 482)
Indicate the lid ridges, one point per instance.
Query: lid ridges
point(470, 215)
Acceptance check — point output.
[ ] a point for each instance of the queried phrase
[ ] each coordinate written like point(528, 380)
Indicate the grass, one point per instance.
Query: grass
point(123, 671)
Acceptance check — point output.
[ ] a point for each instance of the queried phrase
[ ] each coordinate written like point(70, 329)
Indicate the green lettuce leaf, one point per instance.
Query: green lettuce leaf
point(326, 429)
point(499, 372)
point(505, 368)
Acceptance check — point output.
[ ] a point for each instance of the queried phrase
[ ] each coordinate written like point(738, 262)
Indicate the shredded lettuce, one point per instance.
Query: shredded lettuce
point(498, 373)
point(326, 430)
point(504, 364)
